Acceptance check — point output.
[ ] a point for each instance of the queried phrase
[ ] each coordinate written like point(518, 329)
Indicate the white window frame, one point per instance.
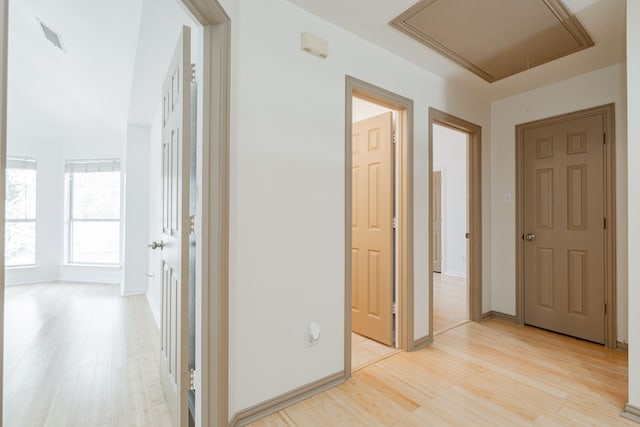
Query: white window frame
point(24, 164)
point(80, 166)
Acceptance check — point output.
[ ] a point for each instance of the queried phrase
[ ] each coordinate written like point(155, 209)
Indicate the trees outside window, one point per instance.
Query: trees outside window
point(93, 212)
point(20, 216)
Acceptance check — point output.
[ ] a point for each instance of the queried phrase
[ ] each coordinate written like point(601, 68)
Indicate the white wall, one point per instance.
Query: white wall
point(633, 159)
point(136, 211)
point(51, 146)
point(589, 90)
point(287, 191)
point(450, 157)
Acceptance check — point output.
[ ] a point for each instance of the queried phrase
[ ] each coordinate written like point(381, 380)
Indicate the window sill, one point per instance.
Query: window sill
point(21, 267)
point(105, 266)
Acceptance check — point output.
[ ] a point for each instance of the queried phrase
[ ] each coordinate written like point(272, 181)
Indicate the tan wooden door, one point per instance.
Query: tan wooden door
point(564, 228)
point(372, 238)
point(176, 227)
point(436, 205)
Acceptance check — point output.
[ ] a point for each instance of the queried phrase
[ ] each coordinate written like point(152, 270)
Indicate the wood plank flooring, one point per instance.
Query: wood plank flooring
point(478, 374)
point(365, 351)
point(80, 355)
point(450, 302)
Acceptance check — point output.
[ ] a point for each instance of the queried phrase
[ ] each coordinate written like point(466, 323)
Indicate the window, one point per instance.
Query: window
point(20, 217)
point(93, 212)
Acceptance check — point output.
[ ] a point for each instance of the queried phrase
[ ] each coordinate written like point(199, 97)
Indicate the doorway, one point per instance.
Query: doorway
point(566, 224)
point(378, 225)
point(450, 217)
point(458, 294)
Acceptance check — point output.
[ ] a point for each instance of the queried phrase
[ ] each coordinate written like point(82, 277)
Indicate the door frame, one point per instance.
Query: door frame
point(608, 114)
point(474, 210)
point(404, 199)
point(212, 219)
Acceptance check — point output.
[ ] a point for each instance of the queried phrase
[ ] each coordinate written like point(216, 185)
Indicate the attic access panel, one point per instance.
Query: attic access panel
point(495, 38)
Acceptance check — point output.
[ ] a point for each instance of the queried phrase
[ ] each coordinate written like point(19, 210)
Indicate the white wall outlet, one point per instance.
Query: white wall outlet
point(313, 333)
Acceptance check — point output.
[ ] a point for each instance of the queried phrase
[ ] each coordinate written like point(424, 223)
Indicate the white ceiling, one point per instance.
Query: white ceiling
point(603, 19)
point(92, 77)
point(110, 74)
point(116, 53)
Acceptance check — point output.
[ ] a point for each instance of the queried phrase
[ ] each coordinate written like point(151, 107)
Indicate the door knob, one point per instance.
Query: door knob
point(156, 245)
point(530, 237)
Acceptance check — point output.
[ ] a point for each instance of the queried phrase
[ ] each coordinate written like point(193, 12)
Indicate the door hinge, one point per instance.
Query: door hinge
point(192, 379)
point(192, 224)
point(604, 223)
point(395, 137)
point(193, 73)
point(394, 223)
point(605, 309)
point(395, 308)
point(604, 138)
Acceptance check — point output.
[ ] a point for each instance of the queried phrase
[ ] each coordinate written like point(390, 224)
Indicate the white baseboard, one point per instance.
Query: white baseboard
point(154, 310)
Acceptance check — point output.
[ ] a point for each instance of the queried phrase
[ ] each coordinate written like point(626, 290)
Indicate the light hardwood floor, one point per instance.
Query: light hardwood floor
point(365, 351)
point(450, 302)
point(478, 374)
point(80, 355)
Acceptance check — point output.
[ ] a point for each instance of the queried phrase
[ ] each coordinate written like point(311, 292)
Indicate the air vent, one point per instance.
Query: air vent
point(52, 36)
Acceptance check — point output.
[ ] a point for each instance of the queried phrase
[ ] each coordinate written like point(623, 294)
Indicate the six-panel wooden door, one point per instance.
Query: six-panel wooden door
point(564, 278)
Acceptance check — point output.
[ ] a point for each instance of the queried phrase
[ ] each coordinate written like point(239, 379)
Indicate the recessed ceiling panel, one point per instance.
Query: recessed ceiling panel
point(495, 38)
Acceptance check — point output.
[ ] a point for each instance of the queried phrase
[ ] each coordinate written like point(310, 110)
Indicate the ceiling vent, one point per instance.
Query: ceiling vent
point(52, 36)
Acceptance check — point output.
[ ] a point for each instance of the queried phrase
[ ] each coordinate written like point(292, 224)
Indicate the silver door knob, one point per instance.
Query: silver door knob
point(156, 245)
point(530, 237)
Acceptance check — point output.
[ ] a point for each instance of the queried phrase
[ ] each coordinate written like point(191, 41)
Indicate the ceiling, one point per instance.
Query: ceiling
point(604, 20)
point(495, 39)
point(109, 75)
point(49, 86)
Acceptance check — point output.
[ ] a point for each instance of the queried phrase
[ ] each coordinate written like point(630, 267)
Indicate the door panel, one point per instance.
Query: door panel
point(564, 208)
point(175, 230)
point(372, 232)
point(436, 204)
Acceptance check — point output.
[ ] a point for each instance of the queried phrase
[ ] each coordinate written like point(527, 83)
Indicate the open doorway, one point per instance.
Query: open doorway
point(373, 285)
point(450, 224)
point(378, 283)
point(455, 223)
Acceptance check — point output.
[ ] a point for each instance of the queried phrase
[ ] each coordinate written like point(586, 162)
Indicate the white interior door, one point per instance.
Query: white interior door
point(176, 227)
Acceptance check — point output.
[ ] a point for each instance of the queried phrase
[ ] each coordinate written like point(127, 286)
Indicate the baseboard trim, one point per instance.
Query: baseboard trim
point(497, 315)
point(622, 346)
point(423, 342)
point(271, 406)
point(154, 310)
point(68, 282)
point(631, 412)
